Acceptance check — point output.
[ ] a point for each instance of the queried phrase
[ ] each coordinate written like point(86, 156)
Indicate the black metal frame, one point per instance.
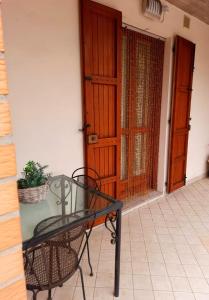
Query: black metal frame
point(112, 213)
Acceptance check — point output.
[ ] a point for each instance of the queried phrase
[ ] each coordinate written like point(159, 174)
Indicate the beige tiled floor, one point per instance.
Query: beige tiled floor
point(165, 252)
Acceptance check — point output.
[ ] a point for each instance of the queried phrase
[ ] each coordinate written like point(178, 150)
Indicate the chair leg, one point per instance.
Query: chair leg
point(89, 260)
point(50, 295)
point(35, 295)
point(82, 282)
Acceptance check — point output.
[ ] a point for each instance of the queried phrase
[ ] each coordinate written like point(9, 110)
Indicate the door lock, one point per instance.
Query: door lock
point(92, 138)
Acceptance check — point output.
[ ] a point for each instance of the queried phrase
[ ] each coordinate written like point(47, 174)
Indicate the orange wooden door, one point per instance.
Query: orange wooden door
point(101, 43)
point(184, 52)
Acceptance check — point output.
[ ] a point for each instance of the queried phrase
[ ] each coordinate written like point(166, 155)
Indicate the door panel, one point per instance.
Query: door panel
point(182, 107)
point(104, 106)
point(180, 112)
point(179, 145)
point(101, 46)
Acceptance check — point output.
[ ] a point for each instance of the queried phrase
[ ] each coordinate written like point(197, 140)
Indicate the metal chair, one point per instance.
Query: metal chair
point(90, 179)
point(56, 259)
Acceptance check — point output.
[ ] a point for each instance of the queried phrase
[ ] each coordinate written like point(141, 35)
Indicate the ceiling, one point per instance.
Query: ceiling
point(196, 8)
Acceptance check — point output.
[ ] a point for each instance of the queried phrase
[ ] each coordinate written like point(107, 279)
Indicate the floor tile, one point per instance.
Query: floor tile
point(126, 281)
point(153, 247)
point(142, 282)
point(155, 257)
point(73, 280)
point(171, 258)
point(203, 259)
point(163, 295)
point(175, 270)
point(200, 296)
point(78, 294)
point(106, 266)
point(161, 230)
point(205, 270)
point(187, 259)
point(141, 268)
point(64, 293)
point(138, 257)
point(143, 295)
point(179, 239)
point(180, 284)
point(183, 296)
point(157, 269)
point(102, 294)
point(192, 271)
point(165, 238)
point(198, 249)
point(107, 255)
point(199, 285)
point(43, 295)
point(183, 249)
point(104, 280)
point(161, 283)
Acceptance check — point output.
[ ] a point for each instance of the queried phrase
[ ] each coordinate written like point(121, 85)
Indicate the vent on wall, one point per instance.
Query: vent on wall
point(153, 8)
point(186, 22)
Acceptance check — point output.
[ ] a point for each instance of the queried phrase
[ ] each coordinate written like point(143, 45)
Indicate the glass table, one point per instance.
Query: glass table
point(65, 197)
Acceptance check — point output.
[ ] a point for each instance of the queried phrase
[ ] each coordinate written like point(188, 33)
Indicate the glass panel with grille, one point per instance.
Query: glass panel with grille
point(140, 154)
point(124, 98)
point(142, 72)
point(142, 83)
point(124, 161)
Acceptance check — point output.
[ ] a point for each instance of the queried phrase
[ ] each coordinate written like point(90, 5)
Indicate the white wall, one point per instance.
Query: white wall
point(42, 39)
point(43, 58)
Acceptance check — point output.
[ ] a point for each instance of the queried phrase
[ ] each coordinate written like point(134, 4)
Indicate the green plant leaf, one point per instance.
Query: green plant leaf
point(33, 175)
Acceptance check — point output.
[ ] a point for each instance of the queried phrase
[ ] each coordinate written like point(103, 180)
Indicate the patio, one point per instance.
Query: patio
point(165, 252)
point(165, 241)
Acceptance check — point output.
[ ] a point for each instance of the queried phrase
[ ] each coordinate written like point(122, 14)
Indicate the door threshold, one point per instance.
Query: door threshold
point(136, 202)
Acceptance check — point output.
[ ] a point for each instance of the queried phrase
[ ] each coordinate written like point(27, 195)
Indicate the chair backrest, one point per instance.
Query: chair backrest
point(61, 187)
point(55, 260)
point(88, 177)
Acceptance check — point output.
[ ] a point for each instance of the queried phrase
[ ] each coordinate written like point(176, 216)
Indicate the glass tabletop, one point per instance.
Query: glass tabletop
point(67, 203)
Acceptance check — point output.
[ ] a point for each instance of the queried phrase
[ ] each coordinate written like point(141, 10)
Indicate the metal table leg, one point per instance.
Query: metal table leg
point(117, 253)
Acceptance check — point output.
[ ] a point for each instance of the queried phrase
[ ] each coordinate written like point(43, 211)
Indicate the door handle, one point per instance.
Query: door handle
point(189, 125)
point(88, 77)
point(85, 126)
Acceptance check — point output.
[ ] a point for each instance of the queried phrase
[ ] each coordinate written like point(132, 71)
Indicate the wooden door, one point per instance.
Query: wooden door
point(101, 47)
point(184, 52)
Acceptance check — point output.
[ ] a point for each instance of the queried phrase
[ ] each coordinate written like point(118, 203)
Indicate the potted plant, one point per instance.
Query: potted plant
point(33, 187)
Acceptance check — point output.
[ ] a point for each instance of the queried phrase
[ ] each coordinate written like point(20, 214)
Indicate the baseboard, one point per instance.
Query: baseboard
point(197, 178)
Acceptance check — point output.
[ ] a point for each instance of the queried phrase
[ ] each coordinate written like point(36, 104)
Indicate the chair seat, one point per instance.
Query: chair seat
point(52, 223)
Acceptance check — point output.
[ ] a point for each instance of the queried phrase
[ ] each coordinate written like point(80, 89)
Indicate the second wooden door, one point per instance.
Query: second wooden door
point(184, 52)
